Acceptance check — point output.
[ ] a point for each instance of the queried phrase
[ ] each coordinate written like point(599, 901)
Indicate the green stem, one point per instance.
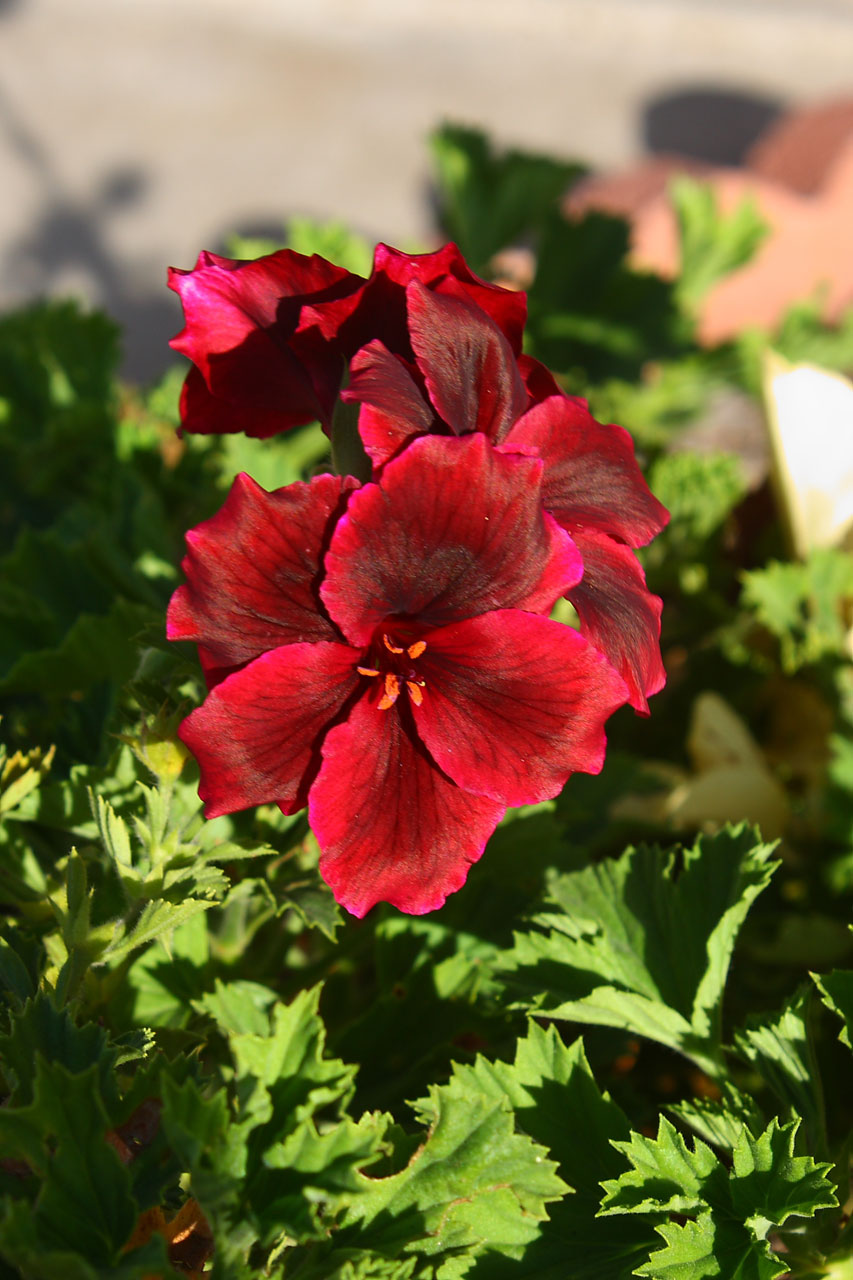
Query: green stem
point(348, 454)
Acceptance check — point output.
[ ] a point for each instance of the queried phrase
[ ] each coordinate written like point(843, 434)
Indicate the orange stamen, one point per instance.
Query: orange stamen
point(415, 692)
point(367, 671)
point(391, 694)
point(392, 648)
point(415, 650)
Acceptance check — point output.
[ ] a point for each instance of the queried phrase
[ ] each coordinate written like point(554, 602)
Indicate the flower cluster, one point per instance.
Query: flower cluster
point(379, 647)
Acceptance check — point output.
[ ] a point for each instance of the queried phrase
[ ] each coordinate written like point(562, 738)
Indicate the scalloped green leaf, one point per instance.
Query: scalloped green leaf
point(778, 1046)
point(85, 1205)
point(643, 942)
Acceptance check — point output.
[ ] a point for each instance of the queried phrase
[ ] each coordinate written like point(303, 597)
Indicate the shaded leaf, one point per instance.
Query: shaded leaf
point(638, 943)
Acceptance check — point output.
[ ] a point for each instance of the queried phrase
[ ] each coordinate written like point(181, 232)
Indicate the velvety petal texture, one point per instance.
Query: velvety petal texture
point(591, 475)
point(619, 614)
point(447, 270)
point(244, 333)
point(453, 530)
point(514, 703)
point(393, 409)
point(468, 365)
point(252, 571)
point(257, 735)
point(391, 826)
point(202, 412)
point(595, 490)
point(378, 309)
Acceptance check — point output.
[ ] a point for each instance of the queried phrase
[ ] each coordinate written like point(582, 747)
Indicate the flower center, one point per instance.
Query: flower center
point(393, 663)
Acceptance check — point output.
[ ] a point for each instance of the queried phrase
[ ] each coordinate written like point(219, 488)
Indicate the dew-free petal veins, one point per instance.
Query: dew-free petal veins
point(469, 367)
point(256, 736)
point(619, 614)
point(514, 703)
point(252, 570)
point(454, 530)
point(391, 826)
point(591, 475)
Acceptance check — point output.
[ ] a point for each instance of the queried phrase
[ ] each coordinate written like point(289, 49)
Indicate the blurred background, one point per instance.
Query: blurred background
point(133, 133)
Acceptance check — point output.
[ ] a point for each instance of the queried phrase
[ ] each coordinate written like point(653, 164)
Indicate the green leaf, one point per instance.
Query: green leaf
point(21, 774)
point(39, 1028)
point(285, 1073)
point(557, 1102)
point(488, 200)
point(288, 1162)
point(273, 462)
point(208, 1144)
point(85, 1203)
point(642, 944)
point(699, 491)
point(65, 805)
point(713, 244)
point(718, 1121)
point(590, 314)
point(238, 1007)
point(667, 1177)
point(802, 605)
point(36, 1260)
point(96, 648)
point(332, 240)
point(736, 1209)
point(708, 1247)
point(156, 920)
point(114, 834)
point(779, 1046)
point(473, 1181)
point(283, 1080)
point(14, 975)
point(315, 905)
point(836, 992)
point(769, 1184)
point(801, 336)
point(160, 985)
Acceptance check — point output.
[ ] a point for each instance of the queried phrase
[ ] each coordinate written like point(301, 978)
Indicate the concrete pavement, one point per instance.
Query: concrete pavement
point(135, 132)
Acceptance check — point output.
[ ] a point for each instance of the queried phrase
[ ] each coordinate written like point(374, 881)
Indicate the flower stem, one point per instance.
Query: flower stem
point(348, 454)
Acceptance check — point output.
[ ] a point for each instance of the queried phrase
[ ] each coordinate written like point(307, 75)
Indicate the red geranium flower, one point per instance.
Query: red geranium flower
point(386, 660)
point(465, 378)
point(269, 339)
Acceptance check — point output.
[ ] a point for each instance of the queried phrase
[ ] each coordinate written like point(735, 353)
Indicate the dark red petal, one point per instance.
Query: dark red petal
point(468, 365)
point(391, 827)
point(226, 299)
point(453, 529)
point(513, 704)
point(378, 310)
point(619, 614)
point(538, 379)
point(202, 411)
point(393, 410)
point(257, 735)
point(506, 307)
point(241, 329)
point(252, 570)
point(591, 475)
